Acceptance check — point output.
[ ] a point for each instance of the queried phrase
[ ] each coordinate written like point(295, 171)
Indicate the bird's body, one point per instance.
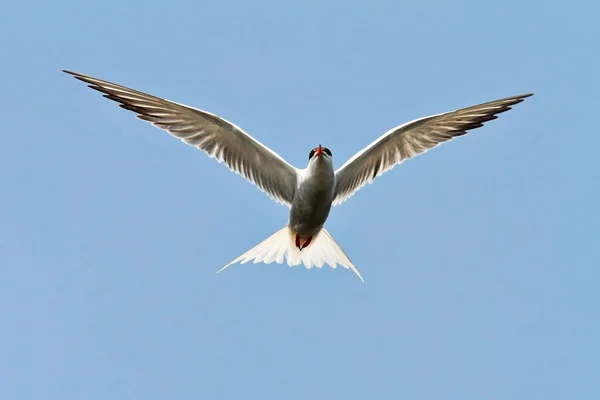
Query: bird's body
point(310, 192)
point(313, 198)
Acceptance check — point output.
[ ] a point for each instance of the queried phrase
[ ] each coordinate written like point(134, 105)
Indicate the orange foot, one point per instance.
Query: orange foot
point(306, 243)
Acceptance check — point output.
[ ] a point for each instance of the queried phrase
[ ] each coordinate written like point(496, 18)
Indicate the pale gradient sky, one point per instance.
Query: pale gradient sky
point(481, 275)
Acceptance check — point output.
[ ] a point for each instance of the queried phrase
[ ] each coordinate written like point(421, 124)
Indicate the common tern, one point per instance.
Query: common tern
point(308, 192)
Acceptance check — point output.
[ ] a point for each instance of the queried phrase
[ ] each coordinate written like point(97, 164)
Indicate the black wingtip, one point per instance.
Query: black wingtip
point(521, 98)
point(75, 75)
point(80, 77)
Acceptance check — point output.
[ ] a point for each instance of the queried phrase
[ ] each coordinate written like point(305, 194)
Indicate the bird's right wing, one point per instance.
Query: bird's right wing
point(218, 138)
point(411, 139)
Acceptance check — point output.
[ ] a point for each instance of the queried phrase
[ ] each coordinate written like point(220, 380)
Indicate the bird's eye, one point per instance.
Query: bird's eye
point(327, 151)
point(311, 154)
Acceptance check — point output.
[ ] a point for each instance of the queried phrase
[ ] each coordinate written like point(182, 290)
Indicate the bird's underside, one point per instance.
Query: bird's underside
point(246, 156)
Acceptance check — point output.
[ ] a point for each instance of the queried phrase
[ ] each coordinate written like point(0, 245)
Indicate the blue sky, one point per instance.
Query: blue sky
point(481, 276)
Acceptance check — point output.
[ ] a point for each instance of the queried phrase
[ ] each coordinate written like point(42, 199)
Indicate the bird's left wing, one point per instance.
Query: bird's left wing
point(218, 138)
point(411, 139)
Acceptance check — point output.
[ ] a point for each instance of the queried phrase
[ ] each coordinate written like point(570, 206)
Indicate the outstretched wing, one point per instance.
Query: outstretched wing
point(411, 139)
point(218, 138)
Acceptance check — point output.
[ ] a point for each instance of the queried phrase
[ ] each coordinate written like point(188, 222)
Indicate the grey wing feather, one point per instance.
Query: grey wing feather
point(411, 139)
point(218, 138)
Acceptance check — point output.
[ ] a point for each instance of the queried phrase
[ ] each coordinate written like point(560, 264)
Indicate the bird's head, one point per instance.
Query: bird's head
point(320, 155)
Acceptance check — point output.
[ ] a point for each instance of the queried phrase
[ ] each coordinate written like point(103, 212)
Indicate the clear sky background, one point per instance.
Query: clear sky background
point(480, 257)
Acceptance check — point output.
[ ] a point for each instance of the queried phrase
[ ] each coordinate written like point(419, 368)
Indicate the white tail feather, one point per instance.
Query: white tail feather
point(281, 245)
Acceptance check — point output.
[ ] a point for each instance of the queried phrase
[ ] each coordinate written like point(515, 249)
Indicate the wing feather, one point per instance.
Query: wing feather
point(411, 139)
point(217, 137)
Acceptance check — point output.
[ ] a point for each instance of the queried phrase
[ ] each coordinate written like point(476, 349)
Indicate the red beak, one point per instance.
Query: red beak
point(319, 151)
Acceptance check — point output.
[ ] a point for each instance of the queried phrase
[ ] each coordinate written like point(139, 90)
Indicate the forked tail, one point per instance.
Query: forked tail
point(281, 245)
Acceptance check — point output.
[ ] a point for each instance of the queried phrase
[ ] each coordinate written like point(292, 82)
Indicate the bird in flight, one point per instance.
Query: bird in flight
point(309, 192)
